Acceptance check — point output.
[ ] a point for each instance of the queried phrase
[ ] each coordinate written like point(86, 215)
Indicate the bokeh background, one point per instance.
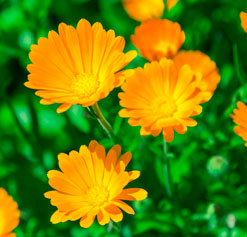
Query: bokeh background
point(208, 165)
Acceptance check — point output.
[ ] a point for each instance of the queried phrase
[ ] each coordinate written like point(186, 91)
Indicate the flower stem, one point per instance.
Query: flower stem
point(103, 122)
point(109, 226)
point(166, 171)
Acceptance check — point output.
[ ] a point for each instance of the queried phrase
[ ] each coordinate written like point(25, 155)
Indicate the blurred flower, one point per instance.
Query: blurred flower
point(240, 118)
point(231, 221)
point(217, 165)
point(144, 10)
point(170, 4)
point(157, 38)
point(77, 66)
point(92, 183)
point(200, 63)
point(9, 214)
point(25, 39)
point(243, 17)
point(161, 98)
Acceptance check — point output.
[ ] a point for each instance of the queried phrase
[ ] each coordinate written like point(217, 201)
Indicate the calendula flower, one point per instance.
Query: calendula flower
point(170, 4)
point(91, 184)
point(160, 98)
point(243, 17)
point(77, 66)
point(158, 38)
point(9, 214)
point(240, 118)
point(200, 63)
point(144, 10)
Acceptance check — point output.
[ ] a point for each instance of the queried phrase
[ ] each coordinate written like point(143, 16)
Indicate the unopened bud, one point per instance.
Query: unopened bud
point(217, 165)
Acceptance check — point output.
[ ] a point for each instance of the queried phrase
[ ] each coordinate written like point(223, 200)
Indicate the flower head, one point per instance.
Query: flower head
point(144, 10)
point(9, 214)
point(91, 184)
point(240, 118)
point(243, 17)
point(200, 63)
point(158, 38)
point(77, 66)
point(161, 98)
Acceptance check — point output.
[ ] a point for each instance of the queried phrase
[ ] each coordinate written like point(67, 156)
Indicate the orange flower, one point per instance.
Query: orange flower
point(77, 66)
point(157, 38)
point(144, 10)
point(9, 214)
point(240, 118)
point(92, 183)
point(200, 63)
point(161, 98)
point(243, 17)
point(170, 4)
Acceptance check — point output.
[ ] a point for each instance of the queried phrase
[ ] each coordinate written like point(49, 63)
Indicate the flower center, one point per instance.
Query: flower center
point(97, 195)
point(166, 48)
point(164, 107)
point(84, 84)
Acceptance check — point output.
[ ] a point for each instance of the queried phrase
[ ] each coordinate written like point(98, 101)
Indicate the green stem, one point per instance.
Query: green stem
point(20, 127)
point(109, 226)
point(103, 122)
point(239, 67)
point(166, 171)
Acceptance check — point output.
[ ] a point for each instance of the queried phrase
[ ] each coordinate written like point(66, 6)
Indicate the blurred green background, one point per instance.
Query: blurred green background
point(208, 165)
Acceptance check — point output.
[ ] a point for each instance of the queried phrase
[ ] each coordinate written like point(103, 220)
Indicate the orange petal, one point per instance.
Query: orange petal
point(168, 134)
point(135, 174)
point(58, 181)
point(87, 157)
point(62, 108)
point(103, 217)
point(114, 212)
point(45, 102)
point(243, 17)
point(124, 160)
point(87, 220)
point(78, 213)
point(132, 194)
point(170, 4)
point(57, 216)
point(124, 206)
point(92, 145)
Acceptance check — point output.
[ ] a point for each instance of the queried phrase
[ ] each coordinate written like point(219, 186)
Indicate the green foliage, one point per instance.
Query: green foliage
point(208, 165)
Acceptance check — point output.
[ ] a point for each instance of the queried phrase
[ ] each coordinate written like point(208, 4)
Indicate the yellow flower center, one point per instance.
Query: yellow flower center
point(166, 48)
point(164, 107)
point(98, 195)
point(84, 84)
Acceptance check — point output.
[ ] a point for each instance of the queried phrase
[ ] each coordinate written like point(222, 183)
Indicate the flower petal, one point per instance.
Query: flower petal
point(103, 217)
point(124, 206)
point(87, 220)
point(133, 194)
point(114, 212)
